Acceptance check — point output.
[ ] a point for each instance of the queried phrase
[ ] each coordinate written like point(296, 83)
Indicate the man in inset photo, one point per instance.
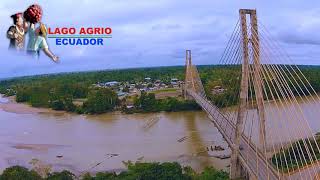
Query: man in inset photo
point(37, 41)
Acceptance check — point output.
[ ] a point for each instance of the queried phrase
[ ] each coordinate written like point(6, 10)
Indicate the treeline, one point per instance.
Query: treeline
point(147, 102)
point(87, 78)
point(76, 85)
point(142, 171)
point(61, 96)
point(211, 76)
point(96, 100)
point(58, 91)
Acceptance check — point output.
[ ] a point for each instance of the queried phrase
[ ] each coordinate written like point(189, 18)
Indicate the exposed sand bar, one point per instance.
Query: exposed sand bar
point(9, 104)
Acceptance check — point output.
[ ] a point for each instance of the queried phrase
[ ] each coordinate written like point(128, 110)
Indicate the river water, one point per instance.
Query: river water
point(79, 142)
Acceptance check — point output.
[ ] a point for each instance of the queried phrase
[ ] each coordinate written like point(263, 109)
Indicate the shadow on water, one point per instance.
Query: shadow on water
point(195, 142)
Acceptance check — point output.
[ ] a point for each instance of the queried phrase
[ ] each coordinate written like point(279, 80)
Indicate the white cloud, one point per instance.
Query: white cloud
point(150, 33)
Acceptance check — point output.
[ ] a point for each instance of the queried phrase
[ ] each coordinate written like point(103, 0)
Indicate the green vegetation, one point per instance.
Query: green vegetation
point(100, 100)
point(300, 150)
point(19, 173)
point(148, 103)
point(60, 97)
point(142, 171)
point(58, 91)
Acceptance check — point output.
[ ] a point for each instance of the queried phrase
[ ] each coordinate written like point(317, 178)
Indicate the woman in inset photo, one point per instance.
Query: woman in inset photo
point(16, 32)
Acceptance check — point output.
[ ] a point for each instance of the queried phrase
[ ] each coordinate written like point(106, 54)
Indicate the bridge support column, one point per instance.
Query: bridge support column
point(235, 167)
point(254, 40)
point(189, 81)
point(257, 80)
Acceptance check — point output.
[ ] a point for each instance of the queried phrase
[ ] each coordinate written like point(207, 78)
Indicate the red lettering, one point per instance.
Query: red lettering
point(97, 31)
point(71, 30)
point(89, 30)
point(64, 30)
point(49, 31)
point(57, 31)
point(108, 30)
point(82, 31)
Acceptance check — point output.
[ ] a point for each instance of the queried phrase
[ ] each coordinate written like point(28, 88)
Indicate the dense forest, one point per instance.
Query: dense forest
point(143, 171)
point(57, 91)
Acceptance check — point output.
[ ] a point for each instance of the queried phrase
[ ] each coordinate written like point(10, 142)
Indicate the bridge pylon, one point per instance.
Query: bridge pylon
point(188, 83)
point(192, 78)
point(248, 42)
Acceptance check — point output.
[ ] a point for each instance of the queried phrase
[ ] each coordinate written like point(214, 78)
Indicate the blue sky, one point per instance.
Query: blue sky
point(157, 32)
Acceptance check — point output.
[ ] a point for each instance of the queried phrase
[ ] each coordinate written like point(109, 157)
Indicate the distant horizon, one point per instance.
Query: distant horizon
point(96, 70)
point(84, 71)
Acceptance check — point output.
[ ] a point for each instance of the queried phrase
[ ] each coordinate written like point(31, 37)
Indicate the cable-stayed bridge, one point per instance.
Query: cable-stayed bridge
point(267, 142)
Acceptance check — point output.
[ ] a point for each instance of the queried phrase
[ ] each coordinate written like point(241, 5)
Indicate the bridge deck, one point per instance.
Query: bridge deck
point(250, 156)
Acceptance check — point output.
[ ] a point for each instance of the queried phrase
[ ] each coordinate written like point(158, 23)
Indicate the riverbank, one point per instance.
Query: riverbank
point(9, 104)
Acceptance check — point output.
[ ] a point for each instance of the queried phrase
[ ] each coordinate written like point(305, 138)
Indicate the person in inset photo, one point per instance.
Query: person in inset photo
point(16, 32)
point(37, 41)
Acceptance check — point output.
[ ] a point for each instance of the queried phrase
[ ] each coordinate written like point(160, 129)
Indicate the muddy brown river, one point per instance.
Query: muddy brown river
point(79, 142)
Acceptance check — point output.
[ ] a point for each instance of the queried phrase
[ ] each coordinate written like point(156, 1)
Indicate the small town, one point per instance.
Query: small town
point(124, 89)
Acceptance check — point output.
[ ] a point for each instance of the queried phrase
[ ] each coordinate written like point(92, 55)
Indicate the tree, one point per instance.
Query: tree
point(19, 173)
point(63, 175)
point(147, 102)
point(100, 100)
point(23, 94)
point(163, 171)
point(39, 97)
point(57, 104)
point(210, 173)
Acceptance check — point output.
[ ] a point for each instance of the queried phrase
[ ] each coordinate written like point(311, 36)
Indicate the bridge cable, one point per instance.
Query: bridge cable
point(273, 115)
point(279, 69)
point(263, 67)
point(235, 30)
point(231, 61)
point(280, 87)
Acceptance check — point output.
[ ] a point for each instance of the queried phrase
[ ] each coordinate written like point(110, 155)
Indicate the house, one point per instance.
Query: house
point(121, 94)
point(130, 106)
point(147, 79)
point(174, 80)
point(217, 90)
point(111, 83)
point(157, 83)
